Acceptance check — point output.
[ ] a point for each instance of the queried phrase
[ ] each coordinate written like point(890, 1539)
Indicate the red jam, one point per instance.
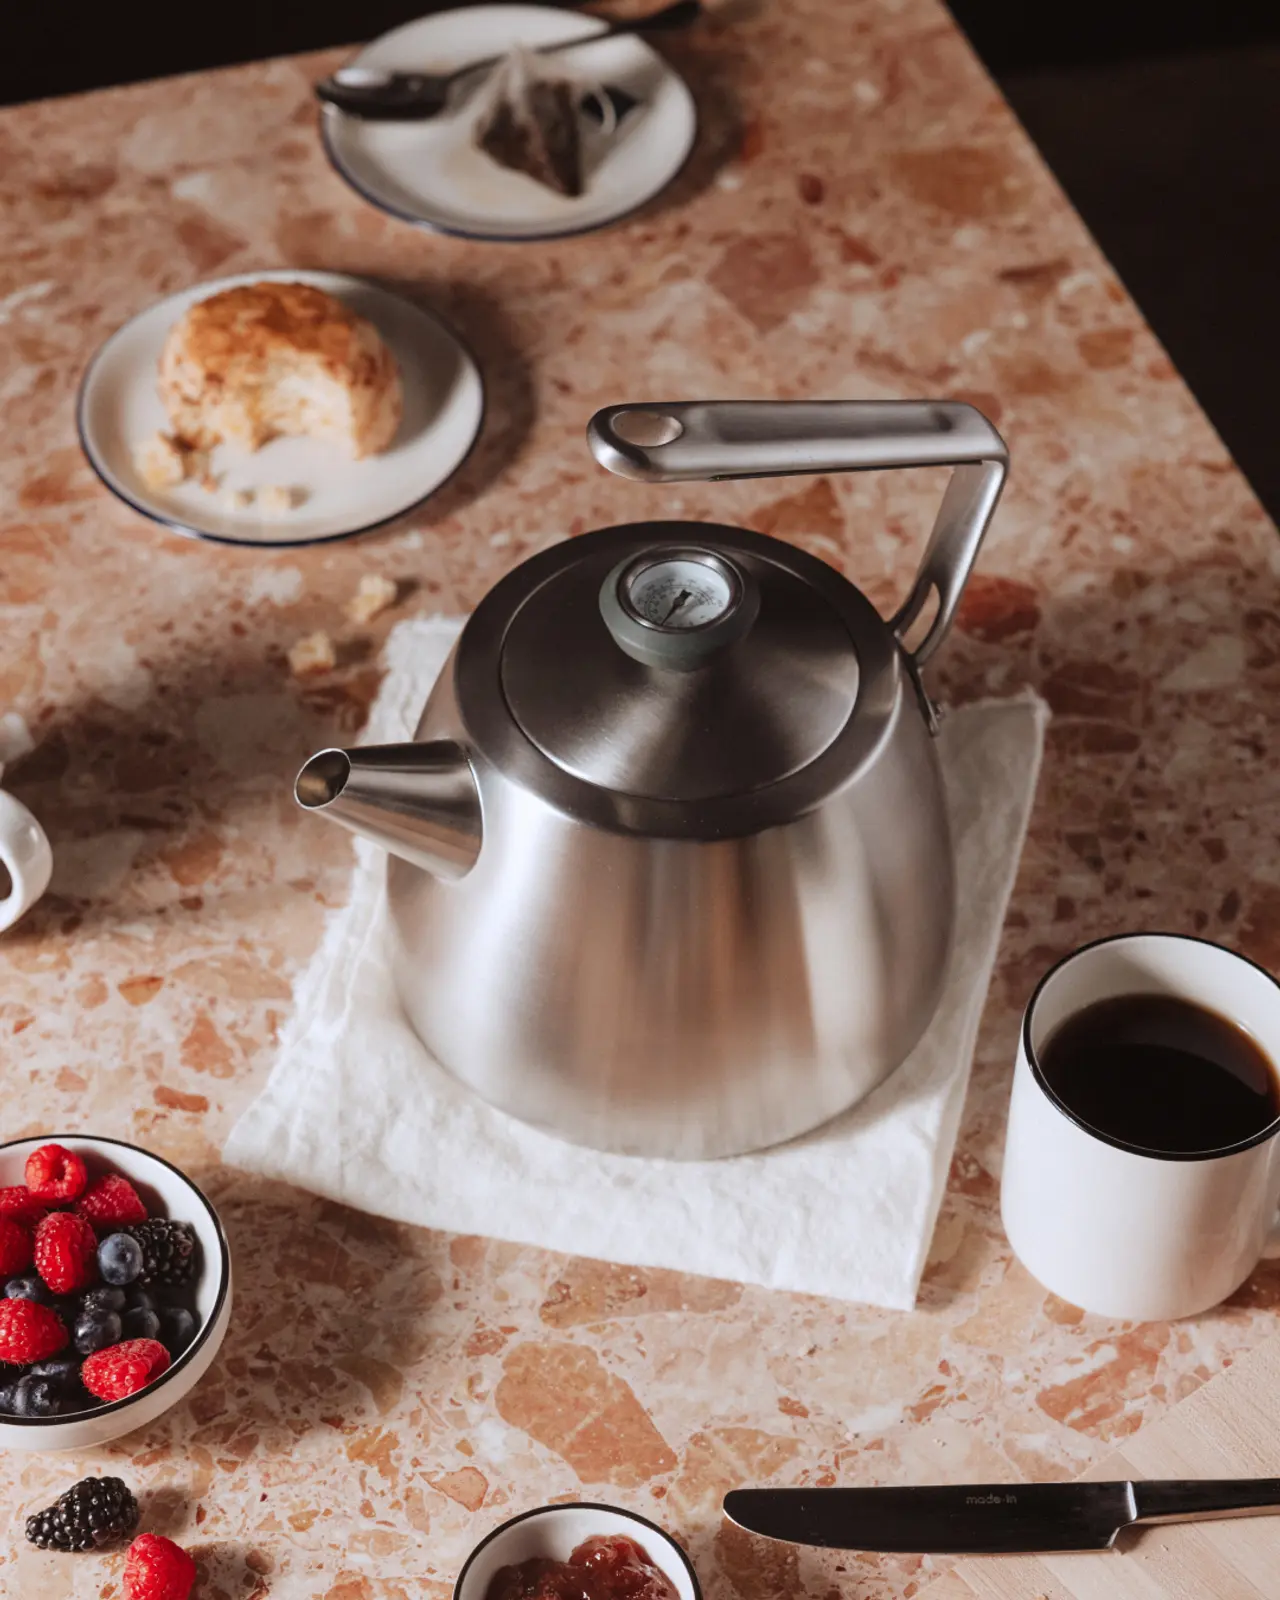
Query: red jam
point(607, 1567)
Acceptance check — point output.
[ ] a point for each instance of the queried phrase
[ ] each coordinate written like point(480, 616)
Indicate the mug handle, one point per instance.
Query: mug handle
point(26, 858)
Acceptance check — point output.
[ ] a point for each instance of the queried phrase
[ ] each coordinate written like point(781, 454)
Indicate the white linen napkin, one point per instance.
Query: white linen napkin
point(356, 1110)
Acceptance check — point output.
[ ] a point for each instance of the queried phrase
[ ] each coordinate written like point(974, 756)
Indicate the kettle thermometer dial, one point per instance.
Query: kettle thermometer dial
point(680, 592)
point(678, 607)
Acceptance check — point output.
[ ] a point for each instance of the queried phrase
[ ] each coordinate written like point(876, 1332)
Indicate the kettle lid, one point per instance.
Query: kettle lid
point(681, 661)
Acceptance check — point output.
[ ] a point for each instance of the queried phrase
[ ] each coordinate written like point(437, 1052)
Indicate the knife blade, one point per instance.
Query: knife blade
point(990, 1518)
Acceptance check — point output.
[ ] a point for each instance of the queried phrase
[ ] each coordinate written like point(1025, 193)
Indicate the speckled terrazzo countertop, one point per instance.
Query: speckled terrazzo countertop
point(863, 217)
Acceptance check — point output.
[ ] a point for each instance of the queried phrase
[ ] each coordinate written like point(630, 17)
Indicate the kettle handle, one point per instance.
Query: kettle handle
point(704, 440)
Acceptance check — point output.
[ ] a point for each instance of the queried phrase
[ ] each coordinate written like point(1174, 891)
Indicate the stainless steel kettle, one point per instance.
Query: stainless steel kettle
point(670, 867)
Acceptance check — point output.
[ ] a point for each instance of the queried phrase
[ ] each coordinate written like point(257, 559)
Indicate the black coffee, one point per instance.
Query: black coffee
point(1162, 1073)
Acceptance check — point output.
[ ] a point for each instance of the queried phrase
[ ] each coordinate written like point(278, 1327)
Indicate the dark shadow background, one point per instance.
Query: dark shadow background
point(1161, 122)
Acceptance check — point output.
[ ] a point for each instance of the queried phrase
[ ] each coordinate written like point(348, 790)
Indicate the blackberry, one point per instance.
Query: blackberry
point(92, 1513)
point(168, 1250)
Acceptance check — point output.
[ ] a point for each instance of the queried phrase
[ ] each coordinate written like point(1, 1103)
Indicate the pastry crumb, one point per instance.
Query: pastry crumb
point(161, 462)
point(237, 499)
point(373, 597)
point(278, 499)
point(312, 654)
point(166, 460)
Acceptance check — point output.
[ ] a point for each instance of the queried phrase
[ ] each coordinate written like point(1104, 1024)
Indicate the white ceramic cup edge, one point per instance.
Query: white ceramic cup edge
point(27, 858)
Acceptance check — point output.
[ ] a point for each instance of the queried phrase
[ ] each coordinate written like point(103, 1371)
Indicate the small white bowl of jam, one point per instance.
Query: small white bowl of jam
point(577, 1551)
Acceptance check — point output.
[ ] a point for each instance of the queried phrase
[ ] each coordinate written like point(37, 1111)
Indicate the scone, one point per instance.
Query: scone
point(278, 358)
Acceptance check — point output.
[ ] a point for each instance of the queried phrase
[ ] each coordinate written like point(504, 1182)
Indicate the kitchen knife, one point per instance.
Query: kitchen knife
point(991, 1518)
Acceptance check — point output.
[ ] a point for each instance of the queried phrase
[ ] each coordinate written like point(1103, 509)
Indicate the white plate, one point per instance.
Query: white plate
point(431, 173)
point(119, 409)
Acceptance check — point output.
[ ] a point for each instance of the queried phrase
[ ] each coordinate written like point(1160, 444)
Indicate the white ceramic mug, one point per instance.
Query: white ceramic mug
point(1109, 1226)
point(26, 862)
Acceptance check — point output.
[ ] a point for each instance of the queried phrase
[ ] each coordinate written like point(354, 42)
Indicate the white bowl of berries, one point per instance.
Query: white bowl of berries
point(115, 1290)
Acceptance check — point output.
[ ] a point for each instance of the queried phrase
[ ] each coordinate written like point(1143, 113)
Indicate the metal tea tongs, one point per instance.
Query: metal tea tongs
point(381, 96)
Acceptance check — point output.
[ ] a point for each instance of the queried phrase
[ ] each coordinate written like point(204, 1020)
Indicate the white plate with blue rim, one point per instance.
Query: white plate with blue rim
point(119, 410)
point(431, 173)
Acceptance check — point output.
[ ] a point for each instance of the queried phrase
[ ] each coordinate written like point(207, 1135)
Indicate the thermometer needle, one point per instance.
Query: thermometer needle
point(681, 599)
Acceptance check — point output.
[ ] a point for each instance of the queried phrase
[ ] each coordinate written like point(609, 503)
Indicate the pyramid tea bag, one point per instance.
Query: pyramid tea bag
point(530, 123)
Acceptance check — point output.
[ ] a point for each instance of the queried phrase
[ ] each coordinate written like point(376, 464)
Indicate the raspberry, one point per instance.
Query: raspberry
point(110, 1203)
point(55, 1175)
point(66, 1252)
point(157, 1569)
point(123, 1369)
point(29, 1332)
point(19, 1204)
point(15, 1248)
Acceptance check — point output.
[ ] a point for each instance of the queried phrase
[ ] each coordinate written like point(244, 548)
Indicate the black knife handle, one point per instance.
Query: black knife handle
point(1200, 1499)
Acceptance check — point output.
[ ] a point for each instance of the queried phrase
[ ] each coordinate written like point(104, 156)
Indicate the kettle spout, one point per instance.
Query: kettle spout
point(419, 801)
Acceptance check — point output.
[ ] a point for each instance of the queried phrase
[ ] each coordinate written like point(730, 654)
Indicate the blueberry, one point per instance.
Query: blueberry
point(119, 1258)
point(36, 1397)
point(77, 1398)
point(6, 1400)
point(31, 1288)
point(68, 1309)
point(141, 1323)
point(140, 1299)
point(177, 1328)
point(103, 1300)
point(62, 1369)
point(95, 1330)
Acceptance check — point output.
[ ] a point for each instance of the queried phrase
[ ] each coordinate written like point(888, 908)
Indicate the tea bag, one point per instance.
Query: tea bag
point(529, 120)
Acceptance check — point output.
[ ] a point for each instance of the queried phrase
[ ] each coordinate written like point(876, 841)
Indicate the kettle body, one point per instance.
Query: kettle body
point(671, 872)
